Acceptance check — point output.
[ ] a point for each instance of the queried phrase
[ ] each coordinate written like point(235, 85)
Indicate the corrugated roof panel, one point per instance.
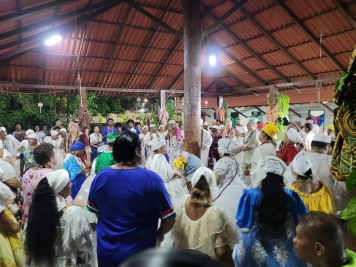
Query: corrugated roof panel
point(133, 36)
point(117, 79)
point(235, 69)
point(223, 38)
point(305, 51)
point(65, 8)
point(239, 51)
point(323, 65)
point(92, 64)
point(177, 57)
point(107, 33)
point(340, 42)
point(276, 58)
point(224, 7)
point(162, 82)
point(267, 74)
point(139, 19)
point(245, 30)
point(290, 70)
point(290, 36)
point(126, 52)
point(147, 68)
point(254, 63)
point(254, 6)
point(248, 79)
point(273, 18)
point(174, 20)
point(229, 81)
point(7, 26)
point(344, 58)
point(331, 23)
point(261, 45)
point(120, 66)
point(207, 81)
point(7, 40)
point(171, 70)
point(154, 55)
point(115, 14)
point(309, 8)
point(8, 7)
point(162, 40)
point(36, 17)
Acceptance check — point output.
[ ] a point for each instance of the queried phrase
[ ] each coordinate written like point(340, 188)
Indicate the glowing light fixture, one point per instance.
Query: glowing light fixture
point(212, 60)
point(53, 40)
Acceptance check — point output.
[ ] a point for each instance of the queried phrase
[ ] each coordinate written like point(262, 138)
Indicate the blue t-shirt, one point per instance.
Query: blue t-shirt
point(129, 204)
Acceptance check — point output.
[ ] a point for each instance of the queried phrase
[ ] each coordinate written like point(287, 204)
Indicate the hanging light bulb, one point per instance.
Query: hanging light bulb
point(212, 60)
point(53, 40)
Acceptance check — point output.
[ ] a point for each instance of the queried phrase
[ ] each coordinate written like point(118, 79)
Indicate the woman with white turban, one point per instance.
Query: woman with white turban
point(315, 195)
point(158, 163)
point(229, 181)
point(267, 217)
point(57, 234)
point(57, 141)
point(202, 226)
point(12, 252)
point(287, 150)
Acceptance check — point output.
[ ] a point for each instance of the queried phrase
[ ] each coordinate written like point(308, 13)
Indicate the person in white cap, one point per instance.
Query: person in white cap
point(67, 231)
point(287, 149)
point(57, 141)
point(159, 164)
point(162, 131)
point(206, 141)
point(12, 252)
point(228, 179)
point(27, 158)
point(322, 162)
point(315, 195)
point(8, 142)
point(200, 224)
point(266, 218)
point(151, 136)
point(174, 140)
point(250, 143)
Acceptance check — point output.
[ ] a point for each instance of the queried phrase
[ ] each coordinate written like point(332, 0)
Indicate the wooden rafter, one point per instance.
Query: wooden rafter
point(223, 18)
point(300, 23)
point(346, 13)
point(260, 110)
point(147, 44)
point(328, 108)
point(35, 40)
point(296, 113)
point(234, 109)
point(178, 34)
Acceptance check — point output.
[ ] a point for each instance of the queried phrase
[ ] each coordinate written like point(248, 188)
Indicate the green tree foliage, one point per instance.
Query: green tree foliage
point(23, 108)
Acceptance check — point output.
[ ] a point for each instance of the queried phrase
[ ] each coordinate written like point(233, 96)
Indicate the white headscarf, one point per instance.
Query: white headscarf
point(54, 133)
point(301, 164)
point(294, 136)
point(227, 146)
point(5, 195)
point(268, 164)
point(57, 180)
point(157, 144)
point(240, 129)
point(209, 178)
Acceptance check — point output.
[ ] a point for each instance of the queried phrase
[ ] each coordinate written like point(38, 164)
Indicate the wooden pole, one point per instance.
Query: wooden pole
point(192, 74)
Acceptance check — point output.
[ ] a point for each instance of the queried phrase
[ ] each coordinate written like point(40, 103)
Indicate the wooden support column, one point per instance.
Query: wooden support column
point(272, 98)
point(84, 119)
point(192, 74)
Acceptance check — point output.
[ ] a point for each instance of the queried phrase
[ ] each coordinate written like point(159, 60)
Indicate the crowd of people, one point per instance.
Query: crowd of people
point(75, 196)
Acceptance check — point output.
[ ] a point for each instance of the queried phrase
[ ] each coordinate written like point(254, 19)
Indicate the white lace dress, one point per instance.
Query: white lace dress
point(213, 230)
point(75, 248)
point(230, 186)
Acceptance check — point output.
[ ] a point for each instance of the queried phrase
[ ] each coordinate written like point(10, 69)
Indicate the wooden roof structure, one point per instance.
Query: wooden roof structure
point(136, 46)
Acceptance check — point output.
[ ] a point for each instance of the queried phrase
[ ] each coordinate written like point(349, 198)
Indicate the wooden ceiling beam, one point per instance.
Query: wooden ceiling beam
point(328, 108)
point(296, 113)
point(249, 49)
point(300, 23)
point(344, 11)
point(79, 53)
point(239, 112)
point(35, 40)
point(177, 34)
point(48, 22)
point(260, 110)
point(20, 14)
point(148, 43)
point(114, 49)
point(276, 43)
point(220, 20)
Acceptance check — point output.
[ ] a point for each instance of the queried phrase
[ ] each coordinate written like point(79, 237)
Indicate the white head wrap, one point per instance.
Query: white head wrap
point(157, 144)
point(302, 163)
point(240, 129)
point(28, 132)
point(145, 127)
point(57, 180)
point(5, 194)
point(294, 136)
point(63, 130)
point(152, 125)
point(54, 133)
point(209, 178)
point(33, 136)
point(227, 146)
point(161, 126)
point(2, 129)
point(268, 164)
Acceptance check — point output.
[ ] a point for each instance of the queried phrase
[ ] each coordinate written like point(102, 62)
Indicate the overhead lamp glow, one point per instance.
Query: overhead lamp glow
point(53, 40)
point(212, 60)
